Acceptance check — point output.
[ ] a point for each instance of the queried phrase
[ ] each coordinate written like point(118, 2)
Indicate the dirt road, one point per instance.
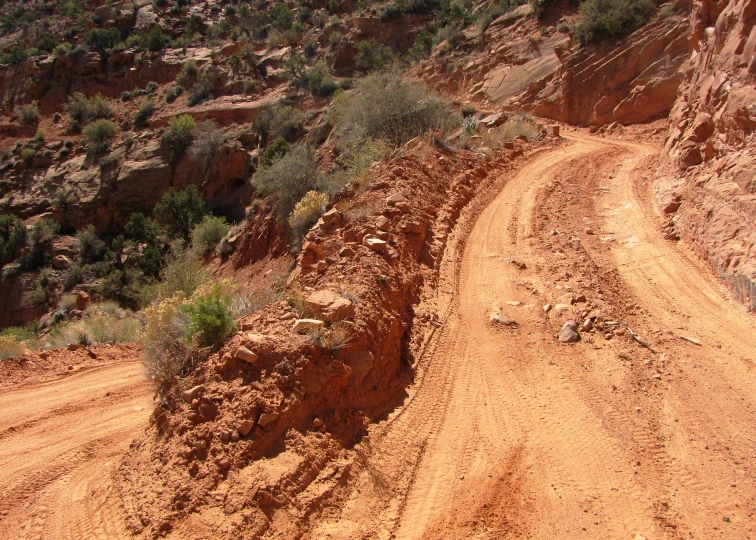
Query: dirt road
point(59, 442)
point(509, 433)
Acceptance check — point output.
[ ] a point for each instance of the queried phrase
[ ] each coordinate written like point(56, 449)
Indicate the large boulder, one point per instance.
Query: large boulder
point(329, 305)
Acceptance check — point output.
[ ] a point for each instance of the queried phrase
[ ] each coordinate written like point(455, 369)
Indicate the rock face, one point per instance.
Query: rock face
point(632, 81)
point(708, 183)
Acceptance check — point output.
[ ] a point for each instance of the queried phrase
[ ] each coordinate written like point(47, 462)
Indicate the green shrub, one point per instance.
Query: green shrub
point(279, 121)
point(108, 161)
point(38, 240)
point(15, 56)
point(101, 40)
point(180, 211)
point(99, 134)
point(56, 117)
point(468, 109)
point(27, 114)
point(173, 92)
point(199, 93)
point(606, 19)
point(144, 112)
point(209, 232)
point(386, 106)
point(27, 155)
point(179, 136)
point(372, 56)
point(281, 17)
point(289, 178)
point(123, 286)
point(210, 318)
point(423, 45)
point(91, 248)
point(320, 81)
point(151, 87)
point(62, 50)
point(82, 110)
point(141, 228)
point(295, 68)
point(278, 149)
point(126, 96)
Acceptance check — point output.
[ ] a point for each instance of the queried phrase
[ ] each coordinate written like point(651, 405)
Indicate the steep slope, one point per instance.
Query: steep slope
point(707, 189)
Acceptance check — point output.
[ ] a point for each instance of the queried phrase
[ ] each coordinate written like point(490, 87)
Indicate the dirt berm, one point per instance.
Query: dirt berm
point(299, 398)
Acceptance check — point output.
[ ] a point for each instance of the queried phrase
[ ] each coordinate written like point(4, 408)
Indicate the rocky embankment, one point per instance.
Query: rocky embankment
point(707, 188)
point(304, 377)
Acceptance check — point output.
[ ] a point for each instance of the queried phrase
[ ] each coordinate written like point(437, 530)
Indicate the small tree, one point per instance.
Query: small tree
point(102, 40)
point(307, 211)
point(144, 112)
point(180, 211)
point(207, 141)
point(210, 318)
point(278, 149)
point(141, 228)
point(91, 248)
point(606, 19)
point(372, 56)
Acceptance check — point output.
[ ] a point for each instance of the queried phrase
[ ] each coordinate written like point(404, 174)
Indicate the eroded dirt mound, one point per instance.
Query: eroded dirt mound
point(254, 439)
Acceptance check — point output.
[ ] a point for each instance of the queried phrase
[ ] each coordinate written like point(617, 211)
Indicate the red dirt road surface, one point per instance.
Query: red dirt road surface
point(645, 428)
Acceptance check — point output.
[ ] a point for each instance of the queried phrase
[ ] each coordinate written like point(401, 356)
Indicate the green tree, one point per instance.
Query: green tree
point(180, 211)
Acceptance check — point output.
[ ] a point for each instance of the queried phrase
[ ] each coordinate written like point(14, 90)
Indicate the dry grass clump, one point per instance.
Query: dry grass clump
point(334, 338)
point(103, 323)
point(10, 348)
point(517, 126)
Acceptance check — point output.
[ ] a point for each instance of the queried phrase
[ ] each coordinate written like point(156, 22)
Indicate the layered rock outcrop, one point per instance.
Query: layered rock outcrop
point(632, 81)
point(708, 185)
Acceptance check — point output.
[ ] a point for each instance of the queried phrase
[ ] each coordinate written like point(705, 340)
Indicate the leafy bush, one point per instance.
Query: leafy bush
point(124, 287)
point(210, 318)
point(144, 112)
point(27, 114)
point(307, 211)
point(468, 109)
point(423, 45)
point(91, 248)
point(99, 135)
point(605, 19)
point(386, 106)
point(289, 178)
point(173, 92)
point(279, 121)
point(180, 211)
point(320, 81)
point(295, 68)
point(141, 228)
point(281, 17)
point(199, 93)
point(372, 56)
point(179, 136)
point(154, 40)
point(103, 323)
point(278, 149)
point(151, 87)
point(83, 110)
point(38, 240)
point(27, 155)
point(209, 232)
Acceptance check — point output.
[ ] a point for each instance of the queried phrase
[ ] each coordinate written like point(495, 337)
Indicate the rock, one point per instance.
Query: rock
point(568, 333)
point(75, 347)
point(82, 301)
point(317, 422)
point(346, 252)
point(587, 325)
point(244, 354)
point(395, 198)
point(383, 223)
point(306, 326)
point(547, 308)
point(504, 321)
point(61, 262)
point(329, 305)
point(321, 267)
point(267, 418)
point(694, 341)
point(75, 314)
point(245, 427)
point(552, 131)
point(375, 244)
point(332, 219)
point(515, 303)
point(579, 299)
point(193, 393)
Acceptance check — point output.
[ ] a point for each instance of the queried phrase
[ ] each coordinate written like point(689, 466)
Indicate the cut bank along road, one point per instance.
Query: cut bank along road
point(508, 432)
point(59, 443)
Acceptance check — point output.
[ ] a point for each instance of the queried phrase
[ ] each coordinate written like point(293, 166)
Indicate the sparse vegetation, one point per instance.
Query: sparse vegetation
point(307, 211)
point(27, 114)
point(210, 318)
point(99, 134)
point(607, 19)
point(180, 211)
point(372, 56)
point(207, 140)
point(144, 112)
